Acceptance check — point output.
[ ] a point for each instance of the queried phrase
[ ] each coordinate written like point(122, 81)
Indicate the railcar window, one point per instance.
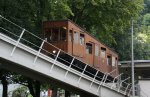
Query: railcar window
point(116, 61)
point(88, 48)
point(76, 37)
point(96, 50)
point(70, 35)
point(108, 60)
point(103, 52)
point(56, 34)
point(113, 61)
point(82, 39)
point(47, 35)
point(63, 33)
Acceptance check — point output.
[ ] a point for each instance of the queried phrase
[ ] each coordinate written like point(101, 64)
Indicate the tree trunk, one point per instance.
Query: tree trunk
point(5, 86)
point(30, 86)
point(54, 92)
point(37, 88)
point(67, 93)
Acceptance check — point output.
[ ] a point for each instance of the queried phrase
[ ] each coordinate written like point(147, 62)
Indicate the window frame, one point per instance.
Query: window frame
point(113, 61)
point(109, 60)
point(82, 39)
point(76, 37)
point(103, 52)
point(89, 48)
point(55, 34)
point(96, 50)
point(70, 35)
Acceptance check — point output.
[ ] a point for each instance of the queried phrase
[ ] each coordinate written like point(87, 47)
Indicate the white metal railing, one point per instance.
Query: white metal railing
point(27, 38)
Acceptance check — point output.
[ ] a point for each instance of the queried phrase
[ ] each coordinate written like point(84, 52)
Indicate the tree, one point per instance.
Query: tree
point(141, 40)
point(4, 75)
point(19, 92)
point(103, 18)
point(33, 85)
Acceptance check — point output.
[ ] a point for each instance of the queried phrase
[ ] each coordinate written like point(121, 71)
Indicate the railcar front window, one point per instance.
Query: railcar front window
point(56, 34)
point(88, 48)
point(63, 33)
point(47, 35)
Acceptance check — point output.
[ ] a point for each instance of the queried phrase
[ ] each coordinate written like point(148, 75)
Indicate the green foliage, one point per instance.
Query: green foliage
point(142, 40)
point(106, 17)
point(146, 19)
point(20, 92)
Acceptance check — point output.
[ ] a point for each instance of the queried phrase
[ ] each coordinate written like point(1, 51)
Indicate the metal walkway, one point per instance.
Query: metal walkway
point(19, 54)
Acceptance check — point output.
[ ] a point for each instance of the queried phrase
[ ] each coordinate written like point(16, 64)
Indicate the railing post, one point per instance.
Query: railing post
point(94, 79)
point(129, 92)
point(17, 42)
point(121, 83)
point(107, 76)
point(115, 79)
point(38, 52)
point(82, 73)
point(105, 79)
point(101, 82)
point(55, 60)
point(127, 88)
point(69, 67)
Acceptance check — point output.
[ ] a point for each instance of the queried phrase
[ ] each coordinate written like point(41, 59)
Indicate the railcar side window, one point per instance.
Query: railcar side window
point(70, 35)
point(88, 48)
point(96, 50)
point(113, 61)
point(76, 37)
point(108, 60)
point(82, 39)
point(116, 61)
point(103, 52)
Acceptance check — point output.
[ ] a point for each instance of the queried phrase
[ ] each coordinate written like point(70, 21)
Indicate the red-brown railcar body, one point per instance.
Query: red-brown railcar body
point(74, 40)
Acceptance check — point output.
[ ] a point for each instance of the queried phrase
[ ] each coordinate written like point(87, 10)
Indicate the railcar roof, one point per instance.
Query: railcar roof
point(68, 20)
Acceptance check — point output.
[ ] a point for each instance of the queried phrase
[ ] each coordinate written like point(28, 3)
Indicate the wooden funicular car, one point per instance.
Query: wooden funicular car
point(74, 40)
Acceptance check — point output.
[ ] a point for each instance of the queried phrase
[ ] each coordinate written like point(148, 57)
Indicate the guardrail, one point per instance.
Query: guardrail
point(21, 35)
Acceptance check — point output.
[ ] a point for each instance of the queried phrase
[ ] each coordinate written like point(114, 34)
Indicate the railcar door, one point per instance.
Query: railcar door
point(77, 51)
point(82, 46)
point(70, 41)
point(89, 53)
point(96, 56)
point(102, 65)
